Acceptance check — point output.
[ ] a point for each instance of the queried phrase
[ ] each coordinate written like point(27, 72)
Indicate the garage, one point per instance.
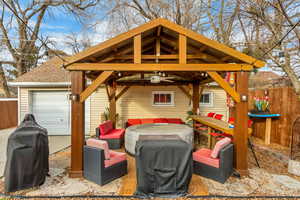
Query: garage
point(52, 111)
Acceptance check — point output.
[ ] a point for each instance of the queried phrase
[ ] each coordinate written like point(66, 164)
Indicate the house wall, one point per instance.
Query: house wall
point(137, 103)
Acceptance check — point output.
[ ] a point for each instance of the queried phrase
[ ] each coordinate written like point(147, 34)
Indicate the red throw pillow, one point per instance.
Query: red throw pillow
point(211, 114)
point(147, 121)
point(160, 120)
point(105, 127)
point(218, 116)
point(131, 122)
point(174, 120)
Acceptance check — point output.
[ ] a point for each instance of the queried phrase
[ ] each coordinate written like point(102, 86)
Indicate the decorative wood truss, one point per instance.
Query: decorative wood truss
point(160, 46)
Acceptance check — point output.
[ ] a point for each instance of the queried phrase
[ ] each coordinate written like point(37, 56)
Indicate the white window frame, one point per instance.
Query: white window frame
point(211, 99)
point(163, 92)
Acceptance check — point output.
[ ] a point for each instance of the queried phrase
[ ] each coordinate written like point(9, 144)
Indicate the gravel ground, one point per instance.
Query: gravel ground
point(272, 179)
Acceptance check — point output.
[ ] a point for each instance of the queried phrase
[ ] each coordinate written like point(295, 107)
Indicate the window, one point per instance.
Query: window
point(162, 98)
point(206, 99)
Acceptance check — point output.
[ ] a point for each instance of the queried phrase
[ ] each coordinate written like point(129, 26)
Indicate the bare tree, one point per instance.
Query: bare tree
point(264, 24)
point(20, 29)
point(125, 14)
point(78, 42)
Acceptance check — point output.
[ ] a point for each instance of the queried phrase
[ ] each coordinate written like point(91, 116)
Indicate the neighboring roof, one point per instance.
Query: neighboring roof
point(266, 79)
point(49, 72)
point(197, 40)
point(264, 76)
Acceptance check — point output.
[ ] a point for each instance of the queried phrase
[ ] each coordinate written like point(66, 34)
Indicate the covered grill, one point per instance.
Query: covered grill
point(27, 156)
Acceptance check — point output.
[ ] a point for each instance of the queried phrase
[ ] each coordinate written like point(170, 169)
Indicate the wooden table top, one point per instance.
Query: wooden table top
point(216, 124)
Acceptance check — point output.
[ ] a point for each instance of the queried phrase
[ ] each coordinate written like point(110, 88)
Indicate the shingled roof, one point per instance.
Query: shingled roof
point(50, 71)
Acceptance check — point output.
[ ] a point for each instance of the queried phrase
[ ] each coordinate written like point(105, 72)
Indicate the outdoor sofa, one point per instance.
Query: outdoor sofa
point(131, 122)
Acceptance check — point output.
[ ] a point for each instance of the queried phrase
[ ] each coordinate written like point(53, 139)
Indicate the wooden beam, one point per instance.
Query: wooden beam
point(185, 91)
point(157, 48)
point(158, 67)
point(137, 43)
point(212, 44)
point(225, 85)
point(77, 126)
point(123, 91)
point(112, 103)
point(148, 83)
point(182, 49)
point(113, 41)
point(240, 125)
point(196, 97)
point(95, 84)
point(119, 54)
point(162, 57)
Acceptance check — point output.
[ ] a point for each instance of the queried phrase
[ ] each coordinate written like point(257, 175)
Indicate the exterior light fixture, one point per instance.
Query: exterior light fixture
point(73, 97)
point(119, 74)
point(244, 98)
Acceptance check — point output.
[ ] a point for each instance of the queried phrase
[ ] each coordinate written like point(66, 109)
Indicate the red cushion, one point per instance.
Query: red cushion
point(147, 121)
point(114, 134)
point(218, 116)
point(211, 114)
point(105, 127)
point(160, 120)
point(203, 156)
point(215, 134)
point(115, 157)
point(175, 121)
point(231, 120)
point(220, 145)
point(131, 122)
point(92, 142)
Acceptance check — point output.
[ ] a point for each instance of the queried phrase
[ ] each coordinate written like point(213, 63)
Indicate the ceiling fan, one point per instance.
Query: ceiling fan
point(159, 77)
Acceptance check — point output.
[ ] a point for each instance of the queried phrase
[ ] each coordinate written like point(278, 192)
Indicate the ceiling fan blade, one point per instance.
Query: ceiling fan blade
point(166, 80)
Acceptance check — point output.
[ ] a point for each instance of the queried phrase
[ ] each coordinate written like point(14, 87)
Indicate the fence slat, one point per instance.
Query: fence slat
point(283, 101)
point(8, 114)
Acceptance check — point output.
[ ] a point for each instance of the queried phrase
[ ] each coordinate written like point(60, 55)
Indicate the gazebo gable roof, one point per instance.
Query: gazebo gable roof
point(205, 49)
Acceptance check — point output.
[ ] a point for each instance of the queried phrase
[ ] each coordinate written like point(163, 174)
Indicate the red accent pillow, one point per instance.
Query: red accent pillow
point(231, 120)
point(160, 120)
point(131, 122)
point(147, 121)
point(175, 120)
point(105, 127)
point(211, 114)
point(218, 116)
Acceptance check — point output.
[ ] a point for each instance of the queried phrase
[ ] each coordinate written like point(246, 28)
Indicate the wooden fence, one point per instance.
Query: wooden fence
point(283, 101)
point(8, 113)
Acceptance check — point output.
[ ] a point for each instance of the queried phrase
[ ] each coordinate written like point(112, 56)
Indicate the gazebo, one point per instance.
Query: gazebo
point(158, 46)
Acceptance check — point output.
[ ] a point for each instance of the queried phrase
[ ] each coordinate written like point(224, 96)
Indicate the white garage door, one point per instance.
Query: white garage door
point(52, 111)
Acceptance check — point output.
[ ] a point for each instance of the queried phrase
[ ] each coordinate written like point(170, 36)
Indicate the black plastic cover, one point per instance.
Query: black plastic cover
point(27, 161)
point(164, 167)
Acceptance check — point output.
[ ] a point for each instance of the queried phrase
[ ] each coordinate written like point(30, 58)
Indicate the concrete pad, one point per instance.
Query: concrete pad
point(56, 143)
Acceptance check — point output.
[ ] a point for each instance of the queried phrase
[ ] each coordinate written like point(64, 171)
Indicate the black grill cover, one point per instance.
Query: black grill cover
point(27, 156)
point(164, 167)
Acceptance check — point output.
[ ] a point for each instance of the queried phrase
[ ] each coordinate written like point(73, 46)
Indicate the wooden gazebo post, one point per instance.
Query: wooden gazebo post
point(241, 124)
point(196, 97)
point(77, 124)
point(112, 102)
